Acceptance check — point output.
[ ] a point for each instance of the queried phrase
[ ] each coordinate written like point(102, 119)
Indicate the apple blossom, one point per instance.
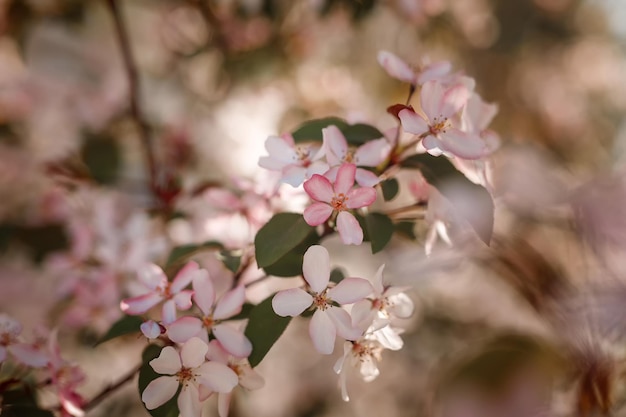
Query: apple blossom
point(65, 377)
point(328, 319)
point(189, 369)
point(370, 154)
point(173, 293)
point(214, 313)
point(363, 354)
point(339, 198)
point(248, 377)
point(440, 103)
point(10, 329)
point(295, 162)
point(399, 69)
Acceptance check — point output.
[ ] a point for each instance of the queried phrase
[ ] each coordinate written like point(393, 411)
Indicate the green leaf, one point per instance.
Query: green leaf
point(356, 134)
point(470, 201)
point(281, 234)
point(290, 264)
point(230, 261)
point(380, 229)
point(263, 330)
point(181, 254)
point(125, 325)
point(390, 188)
point(147, 375)
point(337, 275)
point(312, 129)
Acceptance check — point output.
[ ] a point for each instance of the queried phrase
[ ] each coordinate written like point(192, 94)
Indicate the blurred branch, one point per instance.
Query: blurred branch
point(134, 92)
point(113, 387)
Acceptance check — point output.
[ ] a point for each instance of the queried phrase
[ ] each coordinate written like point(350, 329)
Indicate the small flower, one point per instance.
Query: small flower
point(10, 329)
point(248, 377)
point(328, 319)
point(370, 154)
point(151, 329)
point(399, 69)
point(363, 354)
point(153, 277)
point(296, 162)
point(214, 313)
point(339, 198)
point(440, 104)
point(189, 369)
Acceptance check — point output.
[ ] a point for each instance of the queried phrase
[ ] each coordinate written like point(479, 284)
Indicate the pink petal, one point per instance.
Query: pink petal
point(192, 353)
point(291, 302)
point(205, 392)
point(377, 282)
point(360, 197)
point(189, 401)
point(366, 178)
point(319, 188)
point(29, 355)
point(168, 312)
point(217, 352)
point(434, 71)
point(223, 404)
point(345, 178)
point(159, 391)
point(150, 329)
point(167, 363)
point(204, 292)
point(350, 290)
point(233, 340)
point(139, 305)
point(280, 149)
point(331, 173)
point(413, 122)
point(183, 299)
point(184, 277)
point(294, 175)
point(272, 164)
point(230, 303)
point(317, 213)
point(151, 276)
point(316, 268)
point(317, 167)
point(349, 229)
point(453, 100)
point(343, 323)
point(362, 314)
point(431, 99)
point(322, 332)
point(217, 376)
point(335, 145)
point(431, 142)
point(373, 153)
point(462, 144)
point(184, 329)
point(396, 67)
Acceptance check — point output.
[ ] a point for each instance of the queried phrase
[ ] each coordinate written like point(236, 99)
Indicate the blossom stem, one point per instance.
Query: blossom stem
point(112, 388)
point(418, 209)
point(134, 93)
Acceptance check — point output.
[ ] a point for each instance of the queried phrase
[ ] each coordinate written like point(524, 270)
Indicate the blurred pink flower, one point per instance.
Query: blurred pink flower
point(399, 69)
point(338, 197)
point(328, 319)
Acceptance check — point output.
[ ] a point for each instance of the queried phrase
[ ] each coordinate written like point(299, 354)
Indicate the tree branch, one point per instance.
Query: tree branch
point(112, 388)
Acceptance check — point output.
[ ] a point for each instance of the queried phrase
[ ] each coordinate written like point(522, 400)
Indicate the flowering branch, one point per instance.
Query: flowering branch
point(112, 388)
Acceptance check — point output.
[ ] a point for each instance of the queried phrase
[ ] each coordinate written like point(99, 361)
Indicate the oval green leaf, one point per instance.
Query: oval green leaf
point(281, 234)
point(264, 328)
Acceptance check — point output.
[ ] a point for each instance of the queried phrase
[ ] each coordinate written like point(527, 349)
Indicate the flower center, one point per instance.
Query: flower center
point(381, 304)
point(303, 154)
point(338, 202)
point(439, 125)
point(185, 375)
point(349, 158)
point(320, 301)
point(208, 322)
point(166, 291)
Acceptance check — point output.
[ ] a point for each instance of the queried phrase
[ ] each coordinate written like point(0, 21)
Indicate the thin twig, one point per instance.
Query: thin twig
point(112, 388)
point(134, 92)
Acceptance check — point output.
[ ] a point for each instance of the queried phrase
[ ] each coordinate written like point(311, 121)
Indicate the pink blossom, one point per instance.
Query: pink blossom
point(214, 313)
point(189, 369)
point(370, 154)
point(173, 293)
point(328, 319)
point(10, 329)
point(151, 329)
point(248, 377)
point(440, 104)
point(363, 354)
point(399, 69)
point(338, 198)
point(65, 378)
point(295, 162)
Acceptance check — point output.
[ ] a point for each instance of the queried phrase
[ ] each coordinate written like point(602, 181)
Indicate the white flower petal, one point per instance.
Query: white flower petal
point(151, 276)
point(159, 391)
point(184, 277)
point(350, 290)
point(343, 323)
point(189, 401)
point(322, 332)
point(168, 362)
point(316, 268)
point(192, 353)
point(233, 340)
point(401, 306)
point(150, 329)
point(349, 229)
point(203, 291)
point(223, 404)
point(184, 329)
point(291, 302)
point(230, 303)
point(372, 153)
point(217, 376)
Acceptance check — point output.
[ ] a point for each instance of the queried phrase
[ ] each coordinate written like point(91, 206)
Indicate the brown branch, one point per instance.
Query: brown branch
point(134, 92)
point(112, 388)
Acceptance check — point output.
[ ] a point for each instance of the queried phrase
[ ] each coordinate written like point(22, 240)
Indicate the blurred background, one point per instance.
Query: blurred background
point(532, 326)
